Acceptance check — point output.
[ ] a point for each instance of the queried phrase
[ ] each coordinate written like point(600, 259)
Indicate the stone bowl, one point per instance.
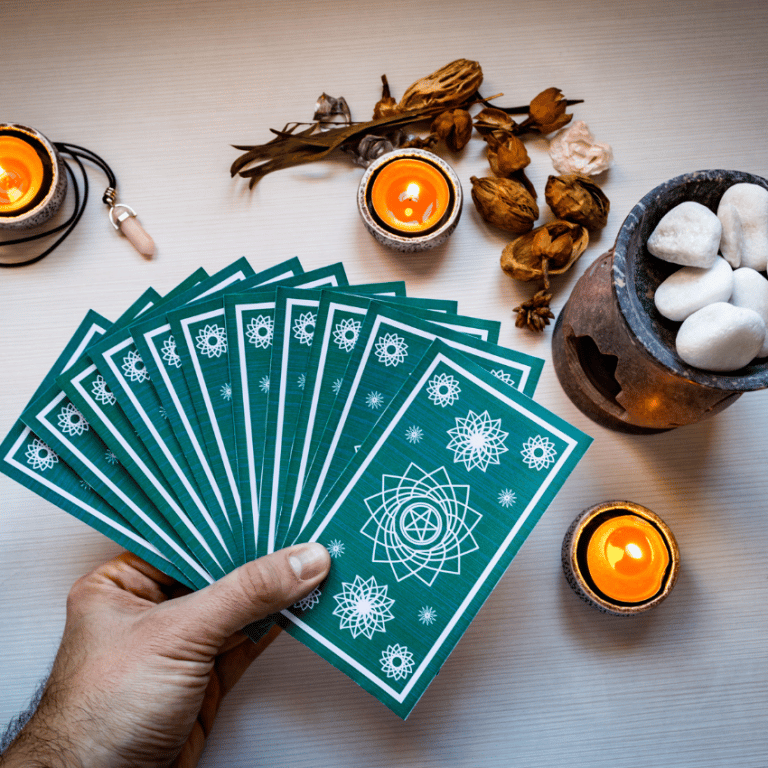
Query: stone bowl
point(636, 274)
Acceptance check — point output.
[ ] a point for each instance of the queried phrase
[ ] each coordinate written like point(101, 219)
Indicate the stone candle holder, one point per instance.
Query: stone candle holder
point(613, 352)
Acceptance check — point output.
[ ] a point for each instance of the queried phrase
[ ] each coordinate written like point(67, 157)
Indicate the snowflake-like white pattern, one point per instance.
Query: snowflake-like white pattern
point(345, 334)
point(260, 331)
point(443, 389)
point(163, 413)
point(421, 524)
point(84, 485)
point(336, 386)
point(504, 376)
point(170, 355)
point(538, 452)
point(336, 548)
point(310, 601)
point(507, 497)
point(304, 327)
point(264, 384)
point(71, 421)
point(134, 368)
point(111, 458)
point(101, 392)
point(477, 440)
point(414, 434)
point(391, 349)
point(396, 661)
point(40, 456)
point(211, 340)
point(374, 400)
point(363, 607)
point(427, 614)
point(226, 391)
point(301, 381)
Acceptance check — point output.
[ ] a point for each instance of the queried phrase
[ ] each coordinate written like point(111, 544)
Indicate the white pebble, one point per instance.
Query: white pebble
point(689, 234)
point(743, 213)
point(720, 337)
point(691, 288)
point(750, 290)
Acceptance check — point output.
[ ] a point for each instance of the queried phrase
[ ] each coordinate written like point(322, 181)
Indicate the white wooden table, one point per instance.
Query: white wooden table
point(161, 90)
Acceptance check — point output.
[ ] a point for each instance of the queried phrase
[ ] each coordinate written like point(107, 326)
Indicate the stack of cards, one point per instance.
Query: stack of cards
point(247, 411)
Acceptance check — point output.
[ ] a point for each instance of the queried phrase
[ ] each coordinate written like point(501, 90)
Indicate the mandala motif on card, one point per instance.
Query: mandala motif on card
point(212, 341)
point(134, 368)
point(170, 355)
point(260, 331)
point(310, 601)
point(363, 607)
point(40, 456)
point(391, 349)
point(71, 421)
point(396, 661)
point(101, 392)
point(538, 452)
point(477, 440)
point(421, 524)
point(304, 327)
point(443, 390)
point(504, 376)
point(345, 334)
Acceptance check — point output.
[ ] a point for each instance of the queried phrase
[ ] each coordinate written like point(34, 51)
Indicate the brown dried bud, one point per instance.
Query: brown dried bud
point(454, 127)
point(386, 106)
point(505, 203)
point(559, 243)
point(496, 122)
point(508, 157)
point(449, 86)
point(577, 198)
point(535, 313)
point(547, 111)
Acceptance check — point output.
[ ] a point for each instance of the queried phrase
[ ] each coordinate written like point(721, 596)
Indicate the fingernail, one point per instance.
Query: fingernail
point(309, 561)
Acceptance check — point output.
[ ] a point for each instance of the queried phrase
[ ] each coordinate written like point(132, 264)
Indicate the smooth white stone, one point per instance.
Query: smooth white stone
point(743, 213)
point(691, 288)
point(689, 234)
point(720, 337)
point(750, 290)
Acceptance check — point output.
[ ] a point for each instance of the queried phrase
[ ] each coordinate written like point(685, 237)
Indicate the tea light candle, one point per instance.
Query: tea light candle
point(32, 179)
point(620, 557)
point(410, 200)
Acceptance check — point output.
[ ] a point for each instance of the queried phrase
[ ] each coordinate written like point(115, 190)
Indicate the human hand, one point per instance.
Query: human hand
point(140, 672)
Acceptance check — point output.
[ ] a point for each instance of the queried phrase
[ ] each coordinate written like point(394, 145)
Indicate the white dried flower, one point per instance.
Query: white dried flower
point(574, 150)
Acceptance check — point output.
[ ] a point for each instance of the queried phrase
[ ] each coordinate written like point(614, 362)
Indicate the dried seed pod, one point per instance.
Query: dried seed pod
point(508, 157)
point(386, 106)
point(454, 127)
point(535, 313)
point(559, 243)
point(577, 198)
point(449, 86)
point(494, 122)
point(506, 203)
point(547, 111)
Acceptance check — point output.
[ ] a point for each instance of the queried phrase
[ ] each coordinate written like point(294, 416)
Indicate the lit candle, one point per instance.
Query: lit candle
point(32, 178)
point(410, 199)
point(21, 174)
point(620, 557)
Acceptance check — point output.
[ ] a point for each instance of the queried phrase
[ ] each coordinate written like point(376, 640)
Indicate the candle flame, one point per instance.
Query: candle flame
point(411, 192)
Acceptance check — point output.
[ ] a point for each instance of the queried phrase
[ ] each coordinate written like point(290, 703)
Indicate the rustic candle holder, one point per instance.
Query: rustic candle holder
point(613, 352)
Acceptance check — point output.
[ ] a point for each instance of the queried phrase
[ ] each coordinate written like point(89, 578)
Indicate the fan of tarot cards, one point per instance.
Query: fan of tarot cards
point(245, 411)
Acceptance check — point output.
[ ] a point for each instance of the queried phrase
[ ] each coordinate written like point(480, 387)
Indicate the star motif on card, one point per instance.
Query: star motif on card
point(301, 381)
point(477, 440)
point(374, 400)
point(427, 615)
point(40, 456)
point(421, 524)
point(507, 498)
point(363, 607)
point(225, 391)
point(414, 434)
point(538, 452)
point(212, 341)
point(111, 457)
point(335, 548)
point(336, 386)
point(345, 334)
point(264, 384)
point(101, 392)
point(260, 331)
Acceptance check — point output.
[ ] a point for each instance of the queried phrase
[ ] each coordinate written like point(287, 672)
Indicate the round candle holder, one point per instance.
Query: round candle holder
point(576, 569)
point(429, 227)
point(50, 181)
point(614, 353)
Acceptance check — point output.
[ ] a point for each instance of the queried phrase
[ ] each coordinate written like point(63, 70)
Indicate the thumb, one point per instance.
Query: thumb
point(252, 592)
